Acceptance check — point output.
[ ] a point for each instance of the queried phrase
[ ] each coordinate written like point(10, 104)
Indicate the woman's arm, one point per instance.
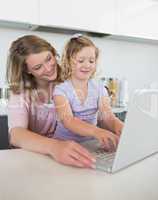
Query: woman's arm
point(65, 152)
point(78, 126)
point(69, 153)
point(107, 118)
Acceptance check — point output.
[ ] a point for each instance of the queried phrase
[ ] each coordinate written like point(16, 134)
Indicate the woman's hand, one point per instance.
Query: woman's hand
point(71, 153)
point(108, 140)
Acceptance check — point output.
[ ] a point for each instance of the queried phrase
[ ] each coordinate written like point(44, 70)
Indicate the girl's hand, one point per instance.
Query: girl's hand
point(71, 153)
point(119, 127)
point(108, 140)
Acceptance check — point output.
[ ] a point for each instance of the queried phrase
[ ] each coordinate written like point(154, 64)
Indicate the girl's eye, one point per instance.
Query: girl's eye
point(80, 61)
point(92, 61)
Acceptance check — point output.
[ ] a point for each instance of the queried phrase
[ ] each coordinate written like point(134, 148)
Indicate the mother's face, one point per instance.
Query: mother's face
point(43, 66)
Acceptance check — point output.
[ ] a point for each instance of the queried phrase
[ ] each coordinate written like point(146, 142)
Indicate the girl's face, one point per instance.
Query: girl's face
point(84, 64)
point(42, 66)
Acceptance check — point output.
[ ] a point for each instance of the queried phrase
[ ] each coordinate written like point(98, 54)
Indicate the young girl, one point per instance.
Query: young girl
point(79, 98)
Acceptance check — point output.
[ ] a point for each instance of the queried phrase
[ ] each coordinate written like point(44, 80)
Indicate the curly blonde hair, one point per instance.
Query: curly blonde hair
point(73, 46)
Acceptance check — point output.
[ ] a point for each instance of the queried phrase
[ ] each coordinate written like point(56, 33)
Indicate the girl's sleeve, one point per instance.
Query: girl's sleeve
point(59, 90)
point(18, 112)
point(102, 90)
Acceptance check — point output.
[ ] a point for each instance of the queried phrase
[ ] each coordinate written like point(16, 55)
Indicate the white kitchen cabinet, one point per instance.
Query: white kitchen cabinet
point(138, 18)
point(87, 15)
point(20, 11)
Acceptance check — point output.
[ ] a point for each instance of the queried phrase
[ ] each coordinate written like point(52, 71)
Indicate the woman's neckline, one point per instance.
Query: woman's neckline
point(45, 94)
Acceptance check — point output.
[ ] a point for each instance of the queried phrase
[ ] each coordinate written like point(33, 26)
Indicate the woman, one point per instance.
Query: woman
point(32, 72)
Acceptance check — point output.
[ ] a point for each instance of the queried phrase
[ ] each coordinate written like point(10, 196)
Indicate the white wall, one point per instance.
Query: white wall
point(137, 61)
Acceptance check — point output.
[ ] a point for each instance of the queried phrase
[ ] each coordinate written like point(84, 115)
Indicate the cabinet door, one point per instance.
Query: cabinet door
point(88, 15)
point(138, 18)
point(4, 140)
point(20, 11)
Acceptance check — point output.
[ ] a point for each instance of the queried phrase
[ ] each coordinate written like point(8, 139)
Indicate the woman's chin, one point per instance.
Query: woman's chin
point(50, 78)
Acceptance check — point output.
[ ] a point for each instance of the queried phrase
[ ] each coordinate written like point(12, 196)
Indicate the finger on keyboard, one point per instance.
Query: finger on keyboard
point(112, 146)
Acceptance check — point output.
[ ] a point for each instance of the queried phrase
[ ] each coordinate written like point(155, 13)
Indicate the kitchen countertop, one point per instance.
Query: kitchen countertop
point(26, 175)
point(119, 109)
point(3, 107)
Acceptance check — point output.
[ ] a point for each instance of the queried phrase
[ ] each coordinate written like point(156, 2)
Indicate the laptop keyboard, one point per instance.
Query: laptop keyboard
point(104, 159)
point(101, 154)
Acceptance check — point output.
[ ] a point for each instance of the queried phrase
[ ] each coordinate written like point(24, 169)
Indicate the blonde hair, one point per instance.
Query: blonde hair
point(73, 46)
point(17, 76)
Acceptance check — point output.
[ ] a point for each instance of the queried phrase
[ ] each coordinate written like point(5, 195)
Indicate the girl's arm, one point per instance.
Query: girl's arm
point(107, 118)
point(78, 126)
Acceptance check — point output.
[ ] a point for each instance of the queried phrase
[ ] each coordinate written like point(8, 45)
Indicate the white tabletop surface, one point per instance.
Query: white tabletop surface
point(30, 176)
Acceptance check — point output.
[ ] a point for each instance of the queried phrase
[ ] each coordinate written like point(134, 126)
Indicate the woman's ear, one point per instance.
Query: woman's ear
point(26, 69)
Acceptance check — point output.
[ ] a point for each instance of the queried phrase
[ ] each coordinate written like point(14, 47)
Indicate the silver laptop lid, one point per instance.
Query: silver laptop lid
point(139, 137)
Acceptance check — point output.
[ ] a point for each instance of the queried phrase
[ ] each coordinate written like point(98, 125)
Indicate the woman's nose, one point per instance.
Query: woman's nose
point(48, 67)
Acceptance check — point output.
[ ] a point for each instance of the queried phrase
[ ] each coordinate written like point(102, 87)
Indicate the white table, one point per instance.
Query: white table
point(30, 176)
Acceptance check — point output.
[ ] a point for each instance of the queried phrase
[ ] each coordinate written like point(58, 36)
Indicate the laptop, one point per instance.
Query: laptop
point(139, 138)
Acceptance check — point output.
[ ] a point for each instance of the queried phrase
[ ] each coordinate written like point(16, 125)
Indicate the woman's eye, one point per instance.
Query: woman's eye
point(37, 67)
point(92, 61)
point(48, 58)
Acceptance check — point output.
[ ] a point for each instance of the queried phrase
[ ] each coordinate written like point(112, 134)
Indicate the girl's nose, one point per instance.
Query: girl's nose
point(87, 64)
